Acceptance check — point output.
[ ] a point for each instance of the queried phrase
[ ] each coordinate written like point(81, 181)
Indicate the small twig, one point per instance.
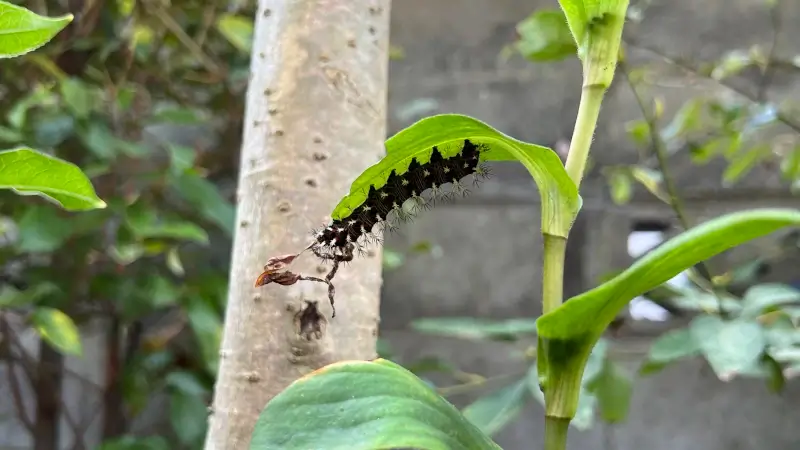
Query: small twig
point(779, 116)
point(16, 392)
point(173, 26)
point(766, 75)
point(675, 202)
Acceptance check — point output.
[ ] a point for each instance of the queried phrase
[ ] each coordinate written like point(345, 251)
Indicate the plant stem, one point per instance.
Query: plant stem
point(560, 362)
point(588, 111)
point(555, 433)
point(555, 248)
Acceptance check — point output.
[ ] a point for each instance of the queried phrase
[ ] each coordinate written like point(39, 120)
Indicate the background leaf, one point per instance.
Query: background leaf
point(545, 36)
point(669, 347)
point(207, 327)
point(763, 296)
point(363, 405)
point(41, 229)
point(471, 327)
point(237, 30)
point(22, 31)
point(494, 411)
point(188, 415)
point(613, 390)
point(731, 347)
point(29, 172)
point(57, 329)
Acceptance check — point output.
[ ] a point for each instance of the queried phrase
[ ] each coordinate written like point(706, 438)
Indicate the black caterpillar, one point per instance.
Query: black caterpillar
point(338, 240)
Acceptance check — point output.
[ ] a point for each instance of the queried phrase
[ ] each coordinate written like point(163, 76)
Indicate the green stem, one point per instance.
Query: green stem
point(561, 363)
point(555, 433)
point(555, 249)
point(588, 112)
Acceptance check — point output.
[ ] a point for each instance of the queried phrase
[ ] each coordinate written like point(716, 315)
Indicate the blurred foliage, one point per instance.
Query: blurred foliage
point(147, 98)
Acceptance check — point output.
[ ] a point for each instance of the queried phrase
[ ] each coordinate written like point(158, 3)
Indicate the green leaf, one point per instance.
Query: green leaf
point(178, 116)
point(731, 64)
point(685, 120)
point(588, 314)
point(187, 383)
point(10, 136)
point(670, 347)
point(697, 300)
point(42, 230)
point(775, 378)
point(22, 31)
point(613, 389)
point(145, 223)
point(29, 172)
point(207, 327)
point(559, 196)
point(620, 185)
point(238, 30)
point(40, 95)
point(494, 411)
point(11, 297)
point(744, 163)
point(58, 330)
point(790, 165)
point(181, 158)
point(188, 415)
point(545, 36)
point(639, 132)
point(474, 328)
point(99, 140)
point(731, 347)
point(763, 296)
point(648, 178)
point(577, 18)
point(174, 263)
point(205, 197)
point(363, 405)
point(52, 130)
point(159, 292)
point(78, 97)
point(584, 16)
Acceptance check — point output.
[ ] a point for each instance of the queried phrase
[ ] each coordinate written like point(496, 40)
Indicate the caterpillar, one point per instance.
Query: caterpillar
point(421, 184)
point(387, 205)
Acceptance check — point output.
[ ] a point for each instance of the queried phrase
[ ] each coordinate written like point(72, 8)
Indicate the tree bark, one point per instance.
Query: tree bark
point(314, 120)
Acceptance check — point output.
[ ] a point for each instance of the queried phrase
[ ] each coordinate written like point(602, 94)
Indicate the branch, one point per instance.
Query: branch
point(766, 75)
point(16, 394)
point(779, 116)
point(660, 150)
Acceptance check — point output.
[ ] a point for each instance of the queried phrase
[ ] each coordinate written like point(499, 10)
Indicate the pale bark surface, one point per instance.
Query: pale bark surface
point(315, 120)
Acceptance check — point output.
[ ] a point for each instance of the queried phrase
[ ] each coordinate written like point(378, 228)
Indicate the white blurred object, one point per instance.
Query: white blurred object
point(640, 308)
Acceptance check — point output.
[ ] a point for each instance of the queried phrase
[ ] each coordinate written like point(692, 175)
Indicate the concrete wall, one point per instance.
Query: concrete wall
point(489, 263)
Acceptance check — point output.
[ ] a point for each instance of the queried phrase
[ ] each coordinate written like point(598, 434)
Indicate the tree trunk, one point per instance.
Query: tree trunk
point(315, 119)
